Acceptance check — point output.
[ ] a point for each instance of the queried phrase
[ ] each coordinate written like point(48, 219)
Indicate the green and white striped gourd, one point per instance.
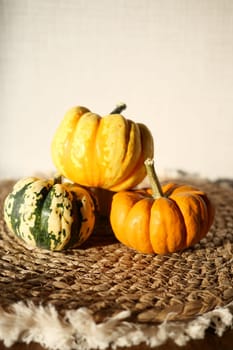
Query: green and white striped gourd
point(49, 214)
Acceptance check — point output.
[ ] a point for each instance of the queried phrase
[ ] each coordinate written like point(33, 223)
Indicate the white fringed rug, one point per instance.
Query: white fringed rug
point(28, 323)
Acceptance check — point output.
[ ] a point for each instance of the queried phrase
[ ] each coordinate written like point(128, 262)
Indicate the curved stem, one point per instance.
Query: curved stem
point(157, 191)
point(119, 108)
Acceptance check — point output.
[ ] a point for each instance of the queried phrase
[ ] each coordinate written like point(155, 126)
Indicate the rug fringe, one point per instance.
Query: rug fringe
point(26, 323)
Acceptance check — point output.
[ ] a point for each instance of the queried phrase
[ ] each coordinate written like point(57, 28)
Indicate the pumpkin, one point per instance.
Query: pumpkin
point(49, 214)
point(106, 152)
point(161, 219)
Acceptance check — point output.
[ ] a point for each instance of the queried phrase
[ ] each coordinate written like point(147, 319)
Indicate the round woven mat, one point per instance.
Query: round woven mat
point(107, 277)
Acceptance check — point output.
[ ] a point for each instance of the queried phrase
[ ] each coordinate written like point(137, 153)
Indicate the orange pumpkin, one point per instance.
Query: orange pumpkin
point(106, 152)
point(161, 219)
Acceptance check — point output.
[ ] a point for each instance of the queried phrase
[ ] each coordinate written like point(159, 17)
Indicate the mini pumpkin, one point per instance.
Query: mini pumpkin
point(49, 214)
point(161, 219)
point(106, 152)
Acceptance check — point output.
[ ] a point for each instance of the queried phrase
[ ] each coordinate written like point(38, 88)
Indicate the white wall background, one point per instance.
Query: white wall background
point(170, 61)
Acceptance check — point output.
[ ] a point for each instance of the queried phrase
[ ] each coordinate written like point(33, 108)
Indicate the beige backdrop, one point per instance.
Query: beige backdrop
point(170, 61)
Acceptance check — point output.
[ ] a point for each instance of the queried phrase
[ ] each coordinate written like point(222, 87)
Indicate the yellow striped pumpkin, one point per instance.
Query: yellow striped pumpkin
point(106, 152)
point(49, 214)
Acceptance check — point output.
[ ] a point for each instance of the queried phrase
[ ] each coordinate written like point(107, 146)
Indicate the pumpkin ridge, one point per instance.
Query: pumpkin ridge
point(191, 213)
point(116, 140)
point(129, 181)
point(126, 175)
point(62, 142)
point(85, 130)
point(129, 125)
point(138, 235)
point(203, 215)
point(182, 219)
point(67, 162)
point(91, 168)
point(163, 241)
point(96, 157)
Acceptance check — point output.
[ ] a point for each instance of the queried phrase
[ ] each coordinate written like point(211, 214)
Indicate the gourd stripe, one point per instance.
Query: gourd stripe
point(77, 222)
point(128, 126)
point(44, 239)
point(62, 204)
point(37, 231)
point(18, 200)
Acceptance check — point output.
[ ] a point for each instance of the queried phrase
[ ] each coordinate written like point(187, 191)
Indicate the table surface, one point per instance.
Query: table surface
point(211, 342)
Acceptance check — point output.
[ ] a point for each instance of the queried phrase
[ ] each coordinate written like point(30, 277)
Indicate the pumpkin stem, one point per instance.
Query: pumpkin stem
point(57, 179)
point(119, 108)
point(157, 191)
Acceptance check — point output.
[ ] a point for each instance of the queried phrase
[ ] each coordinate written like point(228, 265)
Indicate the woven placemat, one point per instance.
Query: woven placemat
point(107, 278)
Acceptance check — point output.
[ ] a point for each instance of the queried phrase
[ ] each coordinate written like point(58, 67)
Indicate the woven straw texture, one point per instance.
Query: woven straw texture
point(107, 277)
